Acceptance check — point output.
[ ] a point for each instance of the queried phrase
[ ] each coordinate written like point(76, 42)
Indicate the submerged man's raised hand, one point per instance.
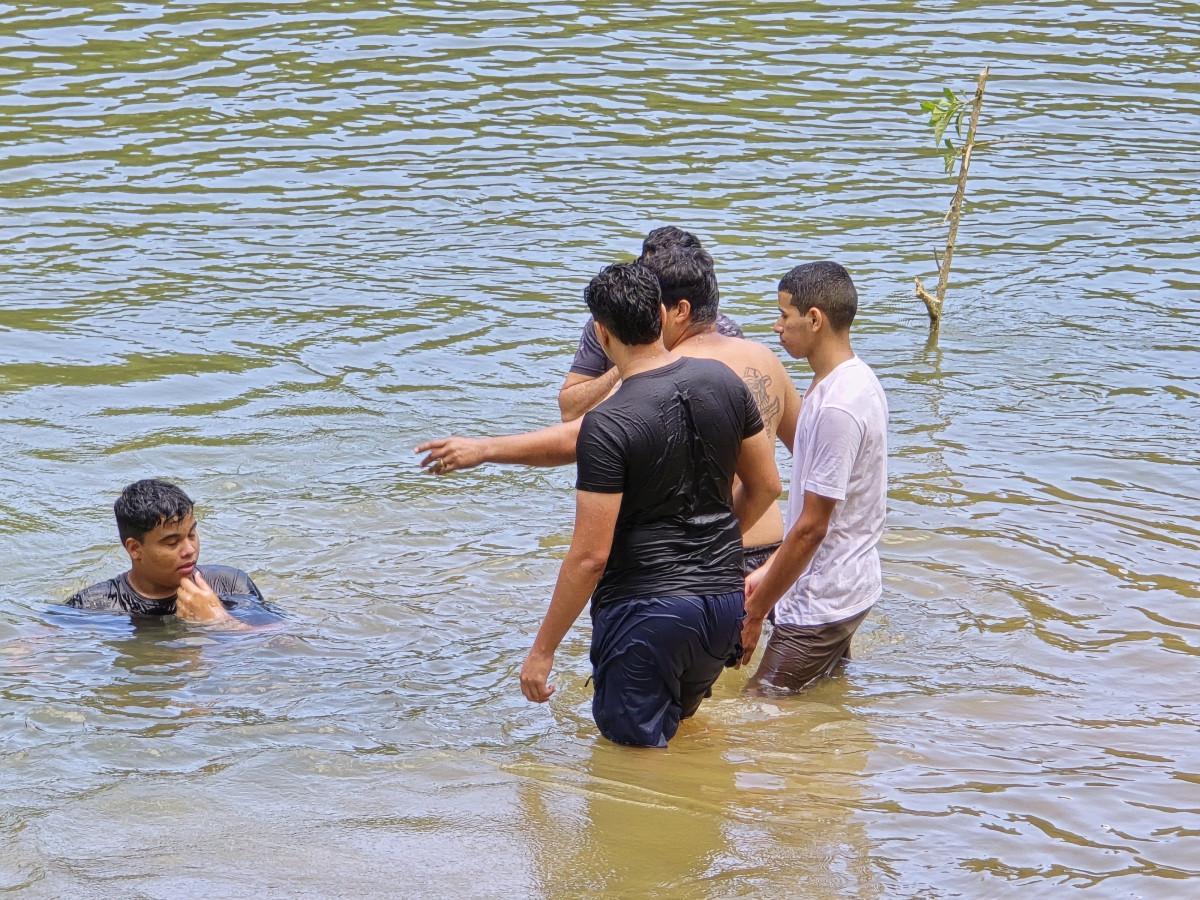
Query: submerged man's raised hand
point(199, 604)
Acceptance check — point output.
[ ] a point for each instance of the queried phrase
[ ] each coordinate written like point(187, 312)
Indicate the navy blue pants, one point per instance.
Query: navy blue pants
point(655, 658)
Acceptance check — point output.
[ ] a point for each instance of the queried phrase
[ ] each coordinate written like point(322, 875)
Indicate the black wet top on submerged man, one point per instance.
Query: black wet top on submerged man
point(157, 527)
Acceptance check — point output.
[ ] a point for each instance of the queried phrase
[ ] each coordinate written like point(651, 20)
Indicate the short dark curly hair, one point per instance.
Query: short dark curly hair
point(665, 238)
point(146, 504)
point(686, 273)
point(625, 299)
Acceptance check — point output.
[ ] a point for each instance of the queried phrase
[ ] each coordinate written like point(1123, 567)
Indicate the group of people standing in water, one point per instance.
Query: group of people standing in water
point(670, 416)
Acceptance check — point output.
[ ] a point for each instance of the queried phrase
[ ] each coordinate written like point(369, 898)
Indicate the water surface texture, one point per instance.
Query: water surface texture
point(263, 248)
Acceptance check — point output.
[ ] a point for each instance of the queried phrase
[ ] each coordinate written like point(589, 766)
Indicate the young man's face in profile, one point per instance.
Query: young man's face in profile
point(794, 328)
point(167, 554)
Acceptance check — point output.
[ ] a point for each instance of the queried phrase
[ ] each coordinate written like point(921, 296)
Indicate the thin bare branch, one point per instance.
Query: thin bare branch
point(931, 304)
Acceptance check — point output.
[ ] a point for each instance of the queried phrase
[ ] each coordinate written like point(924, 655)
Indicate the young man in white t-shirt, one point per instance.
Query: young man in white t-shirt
point(824, 578)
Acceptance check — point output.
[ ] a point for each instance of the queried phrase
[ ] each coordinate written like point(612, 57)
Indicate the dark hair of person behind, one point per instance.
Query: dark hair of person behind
point(825, 285)
point(626, 300)
point(665, 238)
point(686, 273)
point(146, 504)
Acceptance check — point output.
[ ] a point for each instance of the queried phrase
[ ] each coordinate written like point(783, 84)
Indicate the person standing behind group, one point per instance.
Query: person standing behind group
point(592, 375)
point(825, 577)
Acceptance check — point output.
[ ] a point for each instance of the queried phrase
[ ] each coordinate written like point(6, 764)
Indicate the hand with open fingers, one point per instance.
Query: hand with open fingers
point(751, 633)
point(534, 675)
point(197, 603)
point(451, 454)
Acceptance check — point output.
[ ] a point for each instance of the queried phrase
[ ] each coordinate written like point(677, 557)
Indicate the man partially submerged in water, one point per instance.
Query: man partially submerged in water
point(157, 527)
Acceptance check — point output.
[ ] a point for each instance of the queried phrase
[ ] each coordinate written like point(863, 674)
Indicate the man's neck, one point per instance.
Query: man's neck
point(147, 589)
point(632, 361)
point(692, 332)
point(828, 355)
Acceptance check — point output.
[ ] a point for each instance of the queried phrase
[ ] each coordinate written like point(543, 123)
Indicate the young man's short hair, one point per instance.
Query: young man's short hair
point(686, 273)
point(146, 504)
point(625, 299)
point(665, 238)
point(825, 285)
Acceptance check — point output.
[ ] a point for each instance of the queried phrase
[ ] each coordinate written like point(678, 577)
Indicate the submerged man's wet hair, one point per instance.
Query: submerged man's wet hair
point(625, 299)
point(825, 285)
point(686, 273)
point(146, 504)
point(665, 238)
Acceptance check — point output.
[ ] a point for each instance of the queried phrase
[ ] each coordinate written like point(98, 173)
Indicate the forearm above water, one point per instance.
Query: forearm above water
point(576, 399)
point(553, 446)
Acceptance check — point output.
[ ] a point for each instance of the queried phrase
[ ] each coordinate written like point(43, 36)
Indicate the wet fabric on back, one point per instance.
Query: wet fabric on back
point(669, 440)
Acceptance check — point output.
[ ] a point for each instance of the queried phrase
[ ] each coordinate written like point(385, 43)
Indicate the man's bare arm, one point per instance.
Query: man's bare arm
point(579, 393)
point(791, 412)
point(766, 585)
point(758, 480)
point(553, 446)
point(595, 523)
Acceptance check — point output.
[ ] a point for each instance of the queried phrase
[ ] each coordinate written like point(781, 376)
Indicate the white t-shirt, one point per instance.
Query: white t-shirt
point(841, 454)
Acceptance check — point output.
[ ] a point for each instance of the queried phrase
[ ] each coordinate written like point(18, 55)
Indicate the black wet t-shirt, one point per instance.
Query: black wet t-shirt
point(668, 440)
point(232, 586)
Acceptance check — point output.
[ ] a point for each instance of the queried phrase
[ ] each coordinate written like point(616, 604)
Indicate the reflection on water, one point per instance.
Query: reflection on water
point(262, 250)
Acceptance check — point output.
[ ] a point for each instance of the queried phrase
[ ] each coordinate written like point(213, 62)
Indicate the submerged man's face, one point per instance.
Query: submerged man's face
point(168, 554)
point(795, 329)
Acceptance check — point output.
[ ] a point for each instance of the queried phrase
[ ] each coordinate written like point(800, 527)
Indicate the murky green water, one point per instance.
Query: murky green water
point(262, 248)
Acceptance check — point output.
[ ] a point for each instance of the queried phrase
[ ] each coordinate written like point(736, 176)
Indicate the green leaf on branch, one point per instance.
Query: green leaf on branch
point(949, 155)
point(942, 112)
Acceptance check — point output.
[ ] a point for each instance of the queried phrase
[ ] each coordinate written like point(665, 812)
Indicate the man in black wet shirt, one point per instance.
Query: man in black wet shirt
point(657, 543)
point(157, 527)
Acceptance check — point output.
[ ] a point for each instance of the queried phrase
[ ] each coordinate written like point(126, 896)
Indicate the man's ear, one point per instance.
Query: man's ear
point(819, 319)
point(682, 310)
point(602, 335)
point(134, 548)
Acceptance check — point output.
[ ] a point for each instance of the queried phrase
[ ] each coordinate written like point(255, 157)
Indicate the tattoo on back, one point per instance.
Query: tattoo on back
point(760, 388)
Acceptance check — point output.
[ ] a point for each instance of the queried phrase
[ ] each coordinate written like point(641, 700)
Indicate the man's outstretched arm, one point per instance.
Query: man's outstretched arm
point(553, 446)
point(579, 393)
point(595, 522)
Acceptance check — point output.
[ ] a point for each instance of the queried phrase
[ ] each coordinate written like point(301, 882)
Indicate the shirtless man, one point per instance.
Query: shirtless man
point(690, 296)
point(157, 528)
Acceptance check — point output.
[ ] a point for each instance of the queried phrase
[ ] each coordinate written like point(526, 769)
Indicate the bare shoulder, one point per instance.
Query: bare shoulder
point(757, 366)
